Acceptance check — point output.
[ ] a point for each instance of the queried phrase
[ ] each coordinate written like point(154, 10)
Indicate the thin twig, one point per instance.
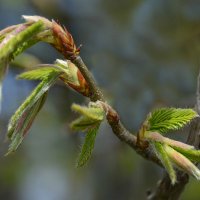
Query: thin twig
point(112, 116)
point(95, 93)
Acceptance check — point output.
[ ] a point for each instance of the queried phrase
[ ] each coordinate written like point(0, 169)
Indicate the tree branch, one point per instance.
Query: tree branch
point(95, 93)
point(112, 116)
point(165, 190)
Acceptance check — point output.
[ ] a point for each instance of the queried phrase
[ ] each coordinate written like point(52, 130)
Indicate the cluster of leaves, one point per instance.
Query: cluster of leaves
point(14, 42)
point(171, 152)
point(89, 121)
point(15, 39)
point(22, 119)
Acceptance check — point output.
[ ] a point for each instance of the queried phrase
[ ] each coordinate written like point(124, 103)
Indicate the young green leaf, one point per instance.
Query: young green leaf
point(156, 137)
point(162, 155)
point(94, 112)
point(89, 121)
point(38, 74)
point(18, 40)
point(166, 119)
point(24, 124)
point(88, 146)
point(192, 154)
point(73, 77)
point(182, 162)
point(82, 123)
point(14, 43)
point(42, 88)
point(90, 116)
point(7, 30)
point(70, 75)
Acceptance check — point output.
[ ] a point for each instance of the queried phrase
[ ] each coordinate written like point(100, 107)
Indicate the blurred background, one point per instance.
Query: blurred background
point(143, 54)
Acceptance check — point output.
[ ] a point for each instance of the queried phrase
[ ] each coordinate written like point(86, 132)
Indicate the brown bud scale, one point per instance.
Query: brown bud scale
point(64, 42)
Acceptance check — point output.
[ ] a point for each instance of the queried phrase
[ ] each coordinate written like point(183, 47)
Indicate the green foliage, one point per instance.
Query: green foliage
point(88, 146)
point(89, 121)
point(171, 152)
point(182, 162)
point(14, 40)
point(69, 69)
point(166, 119)
point(1, 38)
point(192, 154)
point(90, 116)
point(177, 157)
point(19, 41)
point(164, 158)
point(82, 123)
point(156, 137)
point(24, 123)
point(7, 30)
point(22, 119)
point(14, 43)
point(38, 74)
point(94, 111)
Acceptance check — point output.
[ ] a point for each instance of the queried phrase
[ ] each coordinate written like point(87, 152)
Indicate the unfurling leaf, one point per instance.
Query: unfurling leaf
point(164, 158)
point(73, 77)
point(24, 124)
point(70, 70)
point(38, 74)
point(177, 157)
point(7, 30)
point(18, 40)
point(88, 146)
point(182, 162)
point(90, 116)
point(89, 121)
point(156, 137)
point(167, 119)
point(22, 119)
point(171, 152)
point(15, 42)
point(192, 154)
point(82, 123)
point(69, 74)
point(94, 111)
